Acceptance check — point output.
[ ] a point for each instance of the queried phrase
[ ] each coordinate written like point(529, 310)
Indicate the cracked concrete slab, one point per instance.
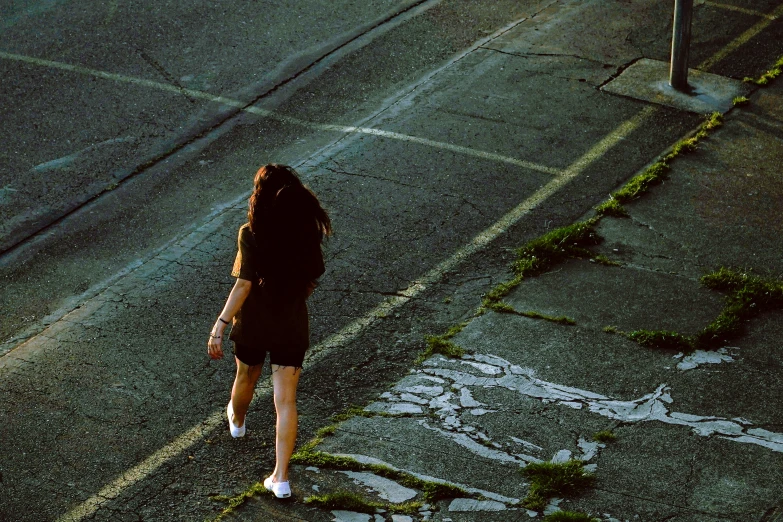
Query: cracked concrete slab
point(721, 204)
point(687, 478)
point(629, 298)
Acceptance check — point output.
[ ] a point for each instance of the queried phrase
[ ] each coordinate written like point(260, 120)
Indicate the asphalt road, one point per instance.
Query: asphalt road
point(132, 131)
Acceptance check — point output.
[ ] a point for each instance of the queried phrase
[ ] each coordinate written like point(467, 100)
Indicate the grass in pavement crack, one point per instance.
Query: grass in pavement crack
point(604, 436)
point(355, 502)
point(436, 344)
point(237, 500)
point(554, 479)
point(657, 172)
point(768, 76)
point(569, 242)
point(442, 344)
point(658, 339)
point(662, 340)
point(536, 257)
point(505, 308)
point(612, 207)
point(747, 295)
point(543, 253)
point(359, 411)
point(569, 516)
point(338, 418)
point(431, 491)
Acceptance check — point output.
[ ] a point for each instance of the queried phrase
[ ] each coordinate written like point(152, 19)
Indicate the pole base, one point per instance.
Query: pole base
point(648, 80)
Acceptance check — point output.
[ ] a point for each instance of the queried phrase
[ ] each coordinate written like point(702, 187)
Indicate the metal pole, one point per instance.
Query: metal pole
point(681, 43)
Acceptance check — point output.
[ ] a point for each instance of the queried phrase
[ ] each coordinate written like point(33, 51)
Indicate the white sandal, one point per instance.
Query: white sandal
point(280, 489)
point(236, 432)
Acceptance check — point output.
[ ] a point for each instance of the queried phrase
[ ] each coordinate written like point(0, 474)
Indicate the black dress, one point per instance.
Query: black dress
point(274, 315)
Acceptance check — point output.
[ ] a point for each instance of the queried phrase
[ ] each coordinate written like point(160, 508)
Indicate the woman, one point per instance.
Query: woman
point(278, 263)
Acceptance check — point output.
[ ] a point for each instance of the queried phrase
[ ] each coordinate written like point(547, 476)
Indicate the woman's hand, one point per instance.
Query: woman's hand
point(238, 294)
point(215, 343)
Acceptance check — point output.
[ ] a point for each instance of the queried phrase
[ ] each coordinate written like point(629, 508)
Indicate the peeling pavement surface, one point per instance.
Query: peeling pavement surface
point(123, 375)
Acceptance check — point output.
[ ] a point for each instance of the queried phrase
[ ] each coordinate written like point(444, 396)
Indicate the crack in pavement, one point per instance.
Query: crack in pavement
point(553, 55)
point(165, 73)
point(410, 185)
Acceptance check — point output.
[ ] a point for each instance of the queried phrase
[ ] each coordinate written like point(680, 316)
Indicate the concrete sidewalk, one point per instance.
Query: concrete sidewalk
point(695, 435)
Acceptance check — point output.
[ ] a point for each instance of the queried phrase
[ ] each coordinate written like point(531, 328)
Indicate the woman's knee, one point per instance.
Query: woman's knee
point(285, 398)
point(285, 380)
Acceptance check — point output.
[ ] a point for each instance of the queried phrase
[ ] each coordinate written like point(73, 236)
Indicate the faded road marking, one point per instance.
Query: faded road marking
point(741, 39)
point(148, 466)
point(243, 106)
point(743, 10)
point(358, 326)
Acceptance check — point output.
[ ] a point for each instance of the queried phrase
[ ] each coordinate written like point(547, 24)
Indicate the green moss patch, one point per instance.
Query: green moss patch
point(438, 344)
point(354, 502)
point(739, 101)
point(659, 171)
point(662, 340)
point(237, 500)
point(611, 207)
point(604, 436)
point(541, 254)
point(747, 296)
point(569, 516)
point(770, 75)
point(641, 183)
point(550, 479)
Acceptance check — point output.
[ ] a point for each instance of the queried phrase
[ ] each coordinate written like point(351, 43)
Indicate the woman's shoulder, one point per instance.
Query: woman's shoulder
point(245, 231)
point(246, 235)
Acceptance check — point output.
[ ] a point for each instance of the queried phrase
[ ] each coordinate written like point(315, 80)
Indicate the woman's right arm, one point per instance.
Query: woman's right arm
point(236, 298)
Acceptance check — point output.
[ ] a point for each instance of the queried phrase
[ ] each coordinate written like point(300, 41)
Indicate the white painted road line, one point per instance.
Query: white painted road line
point(243, 106)
point(350, 332)
point(741, 39)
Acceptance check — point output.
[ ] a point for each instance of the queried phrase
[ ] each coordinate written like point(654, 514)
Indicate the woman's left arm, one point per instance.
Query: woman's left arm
point(236, 298)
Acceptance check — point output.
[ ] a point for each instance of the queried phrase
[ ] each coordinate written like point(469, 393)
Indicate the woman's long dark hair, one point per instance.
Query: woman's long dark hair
point(286, 218)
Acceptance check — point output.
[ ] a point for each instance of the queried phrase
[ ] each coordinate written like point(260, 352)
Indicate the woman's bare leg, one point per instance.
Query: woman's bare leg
point(285, 380)
point(242, 391)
